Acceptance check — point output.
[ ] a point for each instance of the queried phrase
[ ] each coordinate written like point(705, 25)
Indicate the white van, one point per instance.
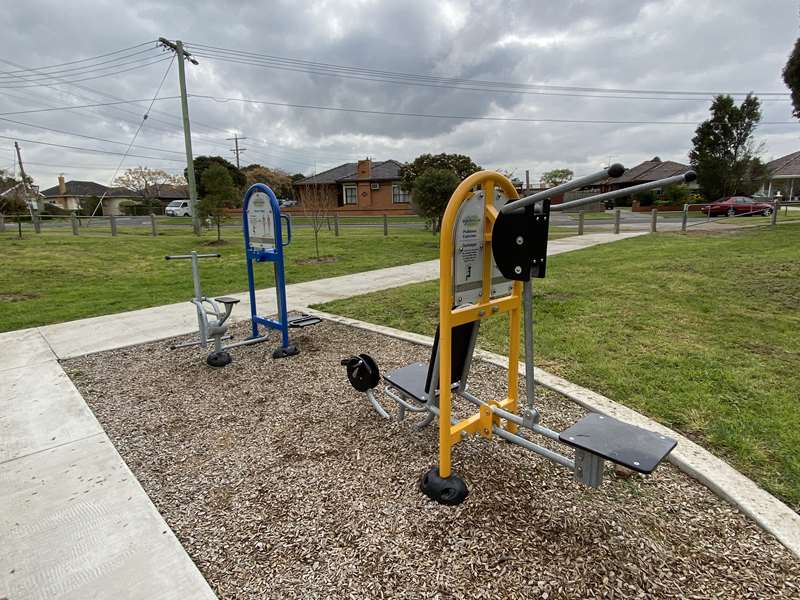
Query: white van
point(178, 208)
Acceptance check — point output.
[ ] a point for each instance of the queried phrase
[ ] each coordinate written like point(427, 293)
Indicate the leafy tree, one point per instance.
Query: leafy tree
point(279, 181)
point(219, 192)
point(201, 163)
point(147, 182)
point(791, 77)
point(432, 191)
point(724, 153)
point(557, 177)
point(316, 207)
point(11, 203)
point(459, 164)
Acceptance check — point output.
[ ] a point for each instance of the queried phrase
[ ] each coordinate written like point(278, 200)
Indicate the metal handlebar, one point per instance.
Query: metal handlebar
point(288, 229)
point(685, 178)
point(615, 170)
point(189, 256)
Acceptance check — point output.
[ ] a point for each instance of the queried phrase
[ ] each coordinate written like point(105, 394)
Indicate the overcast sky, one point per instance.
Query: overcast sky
point(732, 46)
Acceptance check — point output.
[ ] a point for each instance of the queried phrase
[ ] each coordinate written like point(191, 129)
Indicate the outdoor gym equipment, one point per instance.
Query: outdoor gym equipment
point(492, 244)
point(263, 242)
point(211, 321)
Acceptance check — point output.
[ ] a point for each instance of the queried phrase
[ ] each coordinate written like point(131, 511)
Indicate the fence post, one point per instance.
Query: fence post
point(385, 226)
point(37, 224)
point(580, 222)
point(19, 226)
point(685, 217)
point(74, 220)
point(653, 220)
point(153, 224)
point(617, 218)
point(113, 220)
point(336, 224)
point(328, 221)
point(2, 222)
point(774, 216)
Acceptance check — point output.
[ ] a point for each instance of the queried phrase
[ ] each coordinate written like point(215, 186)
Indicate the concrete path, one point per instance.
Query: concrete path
point(74, 521)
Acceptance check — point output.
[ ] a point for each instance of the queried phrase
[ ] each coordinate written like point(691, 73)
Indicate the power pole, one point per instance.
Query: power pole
point(235, 139)
point(177, 48)
point(33, 204)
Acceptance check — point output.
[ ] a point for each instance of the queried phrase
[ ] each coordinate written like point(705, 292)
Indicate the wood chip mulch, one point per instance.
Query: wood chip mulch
point(282, 482)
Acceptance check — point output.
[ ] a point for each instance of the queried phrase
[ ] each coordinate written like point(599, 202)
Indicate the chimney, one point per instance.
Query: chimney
point(62, 187)
point(364, 169)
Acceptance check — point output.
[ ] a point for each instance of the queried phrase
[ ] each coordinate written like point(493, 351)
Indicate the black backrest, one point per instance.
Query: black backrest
point(460, 350)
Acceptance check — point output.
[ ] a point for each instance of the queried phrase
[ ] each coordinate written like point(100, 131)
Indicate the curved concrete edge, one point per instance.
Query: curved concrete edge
point(771, 514)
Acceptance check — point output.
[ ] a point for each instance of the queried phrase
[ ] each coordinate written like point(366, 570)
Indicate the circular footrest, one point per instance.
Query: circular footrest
point(219, 359)
point(362, 372)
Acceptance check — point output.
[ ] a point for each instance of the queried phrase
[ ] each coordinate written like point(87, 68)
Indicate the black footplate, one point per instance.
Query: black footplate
point(630, 446)
point(303, 321)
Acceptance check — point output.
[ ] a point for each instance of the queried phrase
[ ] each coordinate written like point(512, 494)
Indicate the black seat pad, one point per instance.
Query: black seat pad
point(630, 446)
point(410, 380)
point(227, 300)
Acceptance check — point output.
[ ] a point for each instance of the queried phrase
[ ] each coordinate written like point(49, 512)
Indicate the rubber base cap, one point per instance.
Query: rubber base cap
point(444, 490)
point(219, 359)
point(284, 352)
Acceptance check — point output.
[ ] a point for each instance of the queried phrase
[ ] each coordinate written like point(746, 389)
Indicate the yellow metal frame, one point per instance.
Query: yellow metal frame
point(449, 317)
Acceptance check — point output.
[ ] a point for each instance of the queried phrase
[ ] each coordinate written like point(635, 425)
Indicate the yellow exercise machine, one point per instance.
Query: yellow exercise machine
point(492, 245)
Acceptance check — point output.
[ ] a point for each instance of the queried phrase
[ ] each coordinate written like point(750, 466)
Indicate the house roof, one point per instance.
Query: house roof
point(167, 191)
point(88, 189)
point(650, 170)
point(785, 166)
point(381, 171)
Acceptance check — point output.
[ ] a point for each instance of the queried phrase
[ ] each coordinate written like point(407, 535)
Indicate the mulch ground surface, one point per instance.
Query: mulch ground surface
point(282, 482)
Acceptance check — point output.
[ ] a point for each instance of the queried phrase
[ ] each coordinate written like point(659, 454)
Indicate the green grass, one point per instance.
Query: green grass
point(699, 331)
point(55, 276)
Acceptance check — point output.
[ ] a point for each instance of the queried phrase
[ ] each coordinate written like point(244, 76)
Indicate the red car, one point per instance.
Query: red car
point(737, 205)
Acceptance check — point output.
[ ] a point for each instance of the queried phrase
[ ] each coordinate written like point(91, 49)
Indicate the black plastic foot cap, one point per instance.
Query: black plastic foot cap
point(219, 359)
point(284, 352)
point(444, 490)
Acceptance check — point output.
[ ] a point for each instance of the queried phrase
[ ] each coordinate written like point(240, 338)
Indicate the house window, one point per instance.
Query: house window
point(350, 196)
point(399, 195)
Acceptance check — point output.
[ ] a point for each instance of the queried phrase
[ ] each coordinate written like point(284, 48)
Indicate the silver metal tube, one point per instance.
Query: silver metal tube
point(527, 315)
point(548, 454)
point(198, 294)
point(377, 405)
point(509, 416)
point(685, 178)
point(248, 342)
point(614, 170)
point(401, 401)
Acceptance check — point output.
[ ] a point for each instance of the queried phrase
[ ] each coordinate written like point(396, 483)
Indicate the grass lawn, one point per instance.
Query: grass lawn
point(699, 331)
point(56, 276)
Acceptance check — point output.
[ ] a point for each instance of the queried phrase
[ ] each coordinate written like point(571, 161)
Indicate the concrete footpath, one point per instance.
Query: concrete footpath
point(74, 521)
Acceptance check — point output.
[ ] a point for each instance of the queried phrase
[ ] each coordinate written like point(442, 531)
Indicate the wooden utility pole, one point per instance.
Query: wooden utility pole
point(177, 48)
point(236, 150)
point(33, 203)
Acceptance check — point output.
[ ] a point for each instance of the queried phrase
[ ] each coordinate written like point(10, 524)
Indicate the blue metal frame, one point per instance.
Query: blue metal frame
point(275, 256)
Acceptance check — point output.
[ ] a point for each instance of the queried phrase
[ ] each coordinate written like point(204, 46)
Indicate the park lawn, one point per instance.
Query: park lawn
point(699, 331)
point(56, 276)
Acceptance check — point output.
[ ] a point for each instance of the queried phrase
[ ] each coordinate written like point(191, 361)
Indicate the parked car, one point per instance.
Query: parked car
point(178, 208)
point(286, 202)
point(737, 205)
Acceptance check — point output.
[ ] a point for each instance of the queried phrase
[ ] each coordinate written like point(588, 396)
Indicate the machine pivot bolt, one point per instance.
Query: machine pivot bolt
point(517, 269)
point(520, 240)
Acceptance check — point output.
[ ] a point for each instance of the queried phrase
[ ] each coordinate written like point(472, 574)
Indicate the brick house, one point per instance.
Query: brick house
point(67, 195)
point(358, 189)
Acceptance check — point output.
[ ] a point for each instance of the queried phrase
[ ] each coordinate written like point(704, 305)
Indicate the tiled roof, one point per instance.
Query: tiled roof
point(650, 170)
point(381, 171)
point(785, 166)
point(87, 189)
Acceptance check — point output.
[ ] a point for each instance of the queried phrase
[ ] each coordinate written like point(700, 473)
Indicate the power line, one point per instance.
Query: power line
point(60, 81)
point(87, 59)
point(277, 62)
point(93, 150)
point(75, 71)
point(463, 117)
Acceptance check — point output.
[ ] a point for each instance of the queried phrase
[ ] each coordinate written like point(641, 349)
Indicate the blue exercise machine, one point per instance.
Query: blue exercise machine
point(263, 241)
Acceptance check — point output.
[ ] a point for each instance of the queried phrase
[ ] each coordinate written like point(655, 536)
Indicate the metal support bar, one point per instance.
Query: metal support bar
point(653, 220)
point(153, 224)
point(547, 453)
point(377, 405)
point(113, 221)
point(614, 170)
point(509, 416)
point(685, 178)
point(74, 221)
point(774, 216)
point(617, 219)
point(527, 316)
point(581, 217)
point(685, 217)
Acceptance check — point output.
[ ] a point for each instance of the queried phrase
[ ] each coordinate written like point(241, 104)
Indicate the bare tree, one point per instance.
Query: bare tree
point(316, 207)
point(147, 182)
